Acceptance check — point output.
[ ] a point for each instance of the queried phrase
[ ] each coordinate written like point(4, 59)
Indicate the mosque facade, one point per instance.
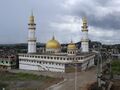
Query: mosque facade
point(53, 59)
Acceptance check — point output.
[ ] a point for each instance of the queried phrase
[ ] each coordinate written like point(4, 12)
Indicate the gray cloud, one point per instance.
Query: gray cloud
point(108, 18)
point(103, 17)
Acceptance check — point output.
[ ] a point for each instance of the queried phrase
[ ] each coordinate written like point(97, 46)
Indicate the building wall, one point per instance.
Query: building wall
point(88, 63)
point(53, 63)
point(41, 66)
point(7, 63)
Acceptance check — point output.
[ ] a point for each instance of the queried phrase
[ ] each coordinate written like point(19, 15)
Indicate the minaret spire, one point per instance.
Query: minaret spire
point(84, 27)
point(85, 39)
point(31, 35)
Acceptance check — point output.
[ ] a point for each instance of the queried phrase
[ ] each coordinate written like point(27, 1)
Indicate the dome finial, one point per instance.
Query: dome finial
point(71, 40)
point(53, 38)
point(31, 17)
point(32, 13)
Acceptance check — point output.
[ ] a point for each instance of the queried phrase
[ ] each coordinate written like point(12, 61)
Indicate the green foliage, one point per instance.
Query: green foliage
point(116, 66)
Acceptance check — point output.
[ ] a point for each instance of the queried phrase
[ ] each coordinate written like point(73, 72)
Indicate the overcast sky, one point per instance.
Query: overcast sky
point(61, 17)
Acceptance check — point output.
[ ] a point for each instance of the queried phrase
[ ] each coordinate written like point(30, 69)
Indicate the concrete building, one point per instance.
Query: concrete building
point(8, 62)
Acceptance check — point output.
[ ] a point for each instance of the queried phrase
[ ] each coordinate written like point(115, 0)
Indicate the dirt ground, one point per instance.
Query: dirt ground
point(116, 85)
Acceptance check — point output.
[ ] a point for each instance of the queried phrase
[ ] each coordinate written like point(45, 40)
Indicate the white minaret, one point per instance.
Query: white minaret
point(85, 39)
point(31, 35)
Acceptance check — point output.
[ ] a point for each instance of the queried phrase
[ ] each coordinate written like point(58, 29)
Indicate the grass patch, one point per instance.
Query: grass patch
point(25, 81)
point(3, 85)
point(22, 77)
point(115, 67)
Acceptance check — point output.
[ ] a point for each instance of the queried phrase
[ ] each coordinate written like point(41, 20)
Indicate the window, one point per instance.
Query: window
point(11, 62)
point(45, 57)
point(51, 57)
point(54, 57)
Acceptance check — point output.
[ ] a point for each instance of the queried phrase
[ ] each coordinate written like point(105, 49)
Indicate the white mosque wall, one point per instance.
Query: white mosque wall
point(53, 50)
point(87, 64)
point(41, 66)
point(56, 64)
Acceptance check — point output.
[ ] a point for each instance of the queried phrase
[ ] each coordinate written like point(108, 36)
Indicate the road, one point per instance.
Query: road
point(83, 78)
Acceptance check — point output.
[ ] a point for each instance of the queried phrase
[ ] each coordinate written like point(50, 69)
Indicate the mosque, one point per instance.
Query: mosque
point(53, 59)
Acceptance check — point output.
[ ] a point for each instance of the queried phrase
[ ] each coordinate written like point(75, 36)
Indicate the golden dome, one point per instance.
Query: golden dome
point(53, 44)
point(71, 46)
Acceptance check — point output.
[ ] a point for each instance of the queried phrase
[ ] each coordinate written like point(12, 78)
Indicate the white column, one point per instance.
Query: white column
point(85, 39)
point(31, 36)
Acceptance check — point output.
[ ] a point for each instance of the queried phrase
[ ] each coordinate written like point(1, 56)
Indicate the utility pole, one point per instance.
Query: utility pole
point(98, 72)
point(99, 68)
point(110, 59)
point(75, 76)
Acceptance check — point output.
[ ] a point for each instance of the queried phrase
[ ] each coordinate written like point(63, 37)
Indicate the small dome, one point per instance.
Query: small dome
point(53, 44)
point(71, 46)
